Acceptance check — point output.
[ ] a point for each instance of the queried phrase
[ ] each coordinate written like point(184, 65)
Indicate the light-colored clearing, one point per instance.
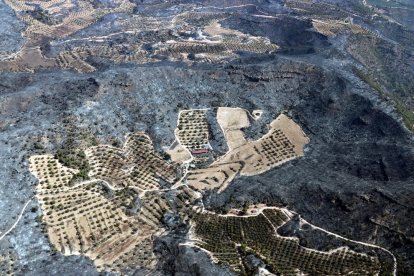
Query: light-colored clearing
point(232, 118)
point(178, 153)
point(257, 114)
point(231, 121)
point(215, 29)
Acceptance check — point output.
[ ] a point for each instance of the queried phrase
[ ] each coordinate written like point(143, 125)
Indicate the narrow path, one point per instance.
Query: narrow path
point(93, 181)
point(18, 219)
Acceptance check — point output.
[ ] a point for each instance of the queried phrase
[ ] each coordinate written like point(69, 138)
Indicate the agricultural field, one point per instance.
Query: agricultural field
point(51, 25)
point(217, 138)
point(114, 213)
point(56, 19)
point(284, 141)
point(92, 216)
point(193, 134)
point(230, 238)
point(135, 165)
point(332, 28)
point(120, 202)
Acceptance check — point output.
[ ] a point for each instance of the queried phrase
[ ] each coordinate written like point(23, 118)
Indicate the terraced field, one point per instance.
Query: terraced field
point(114, 216)
point(90, 218)
point(229, 238)
point(135, 165)
point(56, 19)
point(284, 141)
point(189, 36)
point(250, 137)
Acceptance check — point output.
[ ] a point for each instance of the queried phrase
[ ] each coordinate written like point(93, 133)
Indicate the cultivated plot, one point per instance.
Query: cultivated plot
point(230, 238)
point(53, 39)
point(285, 141)
point(131, 195)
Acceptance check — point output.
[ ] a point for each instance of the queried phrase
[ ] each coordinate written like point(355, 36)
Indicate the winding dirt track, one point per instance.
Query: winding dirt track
point(17, 221)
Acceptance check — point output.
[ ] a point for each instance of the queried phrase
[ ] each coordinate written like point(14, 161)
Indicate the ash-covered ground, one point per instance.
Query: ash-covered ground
point(352, 94)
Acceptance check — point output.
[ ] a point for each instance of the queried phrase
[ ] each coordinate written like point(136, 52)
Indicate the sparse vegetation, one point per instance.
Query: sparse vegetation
point(406, 114)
